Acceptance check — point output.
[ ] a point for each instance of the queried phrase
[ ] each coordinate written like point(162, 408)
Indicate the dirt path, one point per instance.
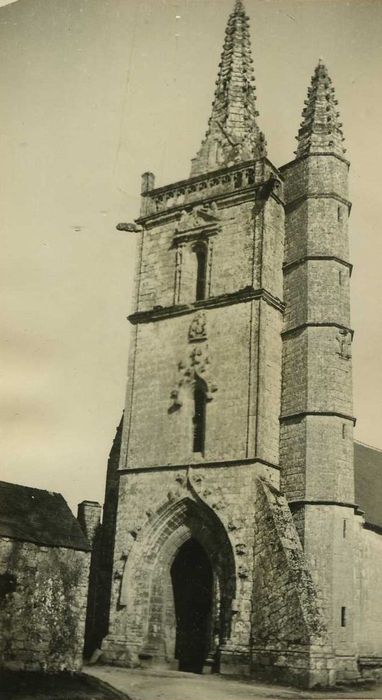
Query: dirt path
point(172, 685)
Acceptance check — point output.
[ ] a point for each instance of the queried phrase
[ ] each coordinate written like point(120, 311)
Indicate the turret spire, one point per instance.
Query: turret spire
point(321, 129)
point(233, 135)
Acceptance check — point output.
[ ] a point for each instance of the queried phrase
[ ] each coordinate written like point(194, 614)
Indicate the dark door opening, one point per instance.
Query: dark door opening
point(192, 582)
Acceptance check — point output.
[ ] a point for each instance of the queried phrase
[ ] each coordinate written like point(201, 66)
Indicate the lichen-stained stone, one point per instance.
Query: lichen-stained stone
point(44, 570)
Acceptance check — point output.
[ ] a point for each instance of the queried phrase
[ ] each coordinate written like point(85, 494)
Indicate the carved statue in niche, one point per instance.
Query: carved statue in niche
point(344, 343)
point(198, 330)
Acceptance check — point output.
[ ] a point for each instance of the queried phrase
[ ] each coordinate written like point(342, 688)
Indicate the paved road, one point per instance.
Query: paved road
point(172, 685)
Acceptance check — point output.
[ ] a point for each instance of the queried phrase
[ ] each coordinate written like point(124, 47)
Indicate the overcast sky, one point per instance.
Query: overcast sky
point(93, 93)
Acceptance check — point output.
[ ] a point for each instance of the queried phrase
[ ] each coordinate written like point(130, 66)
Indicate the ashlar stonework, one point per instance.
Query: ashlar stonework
point(231, 539)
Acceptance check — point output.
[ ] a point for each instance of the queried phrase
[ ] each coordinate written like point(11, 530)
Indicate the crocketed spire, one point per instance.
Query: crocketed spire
point(233, 135)
point(321, 129)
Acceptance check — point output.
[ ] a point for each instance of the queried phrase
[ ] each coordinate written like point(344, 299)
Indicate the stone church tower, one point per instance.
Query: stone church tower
point(231, 512)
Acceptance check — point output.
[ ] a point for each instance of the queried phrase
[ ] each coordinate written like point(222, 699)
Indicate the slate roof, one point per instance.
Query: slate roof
point(42, 517)
point(368, 482)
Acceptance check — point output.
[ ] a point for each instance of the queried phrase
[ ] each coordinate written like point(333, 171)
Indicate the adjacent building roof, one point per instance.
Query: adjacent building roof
point(368, 482)
point(42, 517)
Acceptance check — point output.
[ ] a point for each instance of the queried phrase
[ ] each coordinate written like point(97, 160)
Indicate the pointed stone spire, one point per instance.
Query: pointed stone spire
point(321, 129)
point(233, 135)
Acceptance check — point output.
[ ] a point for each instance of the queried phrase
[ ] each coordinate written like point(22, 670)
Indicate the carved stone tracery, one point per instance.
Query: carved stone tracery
point(195, 227)
point(201, 216)
point(196, 365)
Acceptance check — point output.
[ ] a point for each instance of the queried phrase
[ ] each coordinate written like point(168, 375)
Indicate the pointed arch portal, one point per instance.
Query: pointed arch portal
point(179, 588)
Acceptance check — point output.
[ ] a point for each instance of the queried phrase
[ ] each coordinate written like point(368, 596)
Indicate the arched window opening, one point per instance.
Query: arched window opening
point(199, 415)
point(201, 271)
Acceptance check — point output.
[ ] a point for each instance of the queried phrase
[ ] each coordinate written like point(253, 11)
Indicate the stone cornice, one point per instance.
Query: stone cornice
point(208, 176)
point(291, 163)
point(315, 324)
point(159, 313)
point(229, 198)
point(305, 414)
point(318, 195)
point(245, 462)
point(300, 261)
point(228, 185)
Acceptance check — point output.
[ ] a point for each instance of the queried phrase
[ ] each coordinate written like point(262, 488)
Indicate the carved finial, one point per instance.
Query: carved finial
point(148, 182)
point(321, 129)
point(239, 7)
point(233, 135)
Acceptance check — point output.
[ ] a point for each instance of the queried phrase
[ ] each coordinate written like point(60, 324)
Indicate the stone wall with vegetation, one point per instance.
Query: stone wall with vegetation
point(43, 592)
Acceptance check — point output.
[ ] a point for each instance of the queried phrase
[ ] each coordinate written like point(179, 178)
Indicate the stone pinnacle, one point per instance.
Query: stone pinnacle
point(233, 135)
point(320, 130)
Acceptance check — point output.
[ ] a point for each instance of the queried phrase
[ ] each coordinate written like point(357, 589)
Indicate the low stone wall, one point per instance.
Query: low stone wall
point(43, 592)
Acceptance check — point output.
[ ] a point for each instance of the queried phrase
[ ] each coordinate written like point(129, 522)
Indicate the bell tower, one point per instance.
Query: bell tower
point(210, 267)
point(203, 399)
point(235, 476)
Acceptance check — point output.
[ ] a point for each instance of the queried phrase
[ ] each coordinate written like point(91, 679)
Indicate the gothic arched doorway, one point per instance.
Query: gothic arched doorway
point(192, 581)
point(184, 538)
